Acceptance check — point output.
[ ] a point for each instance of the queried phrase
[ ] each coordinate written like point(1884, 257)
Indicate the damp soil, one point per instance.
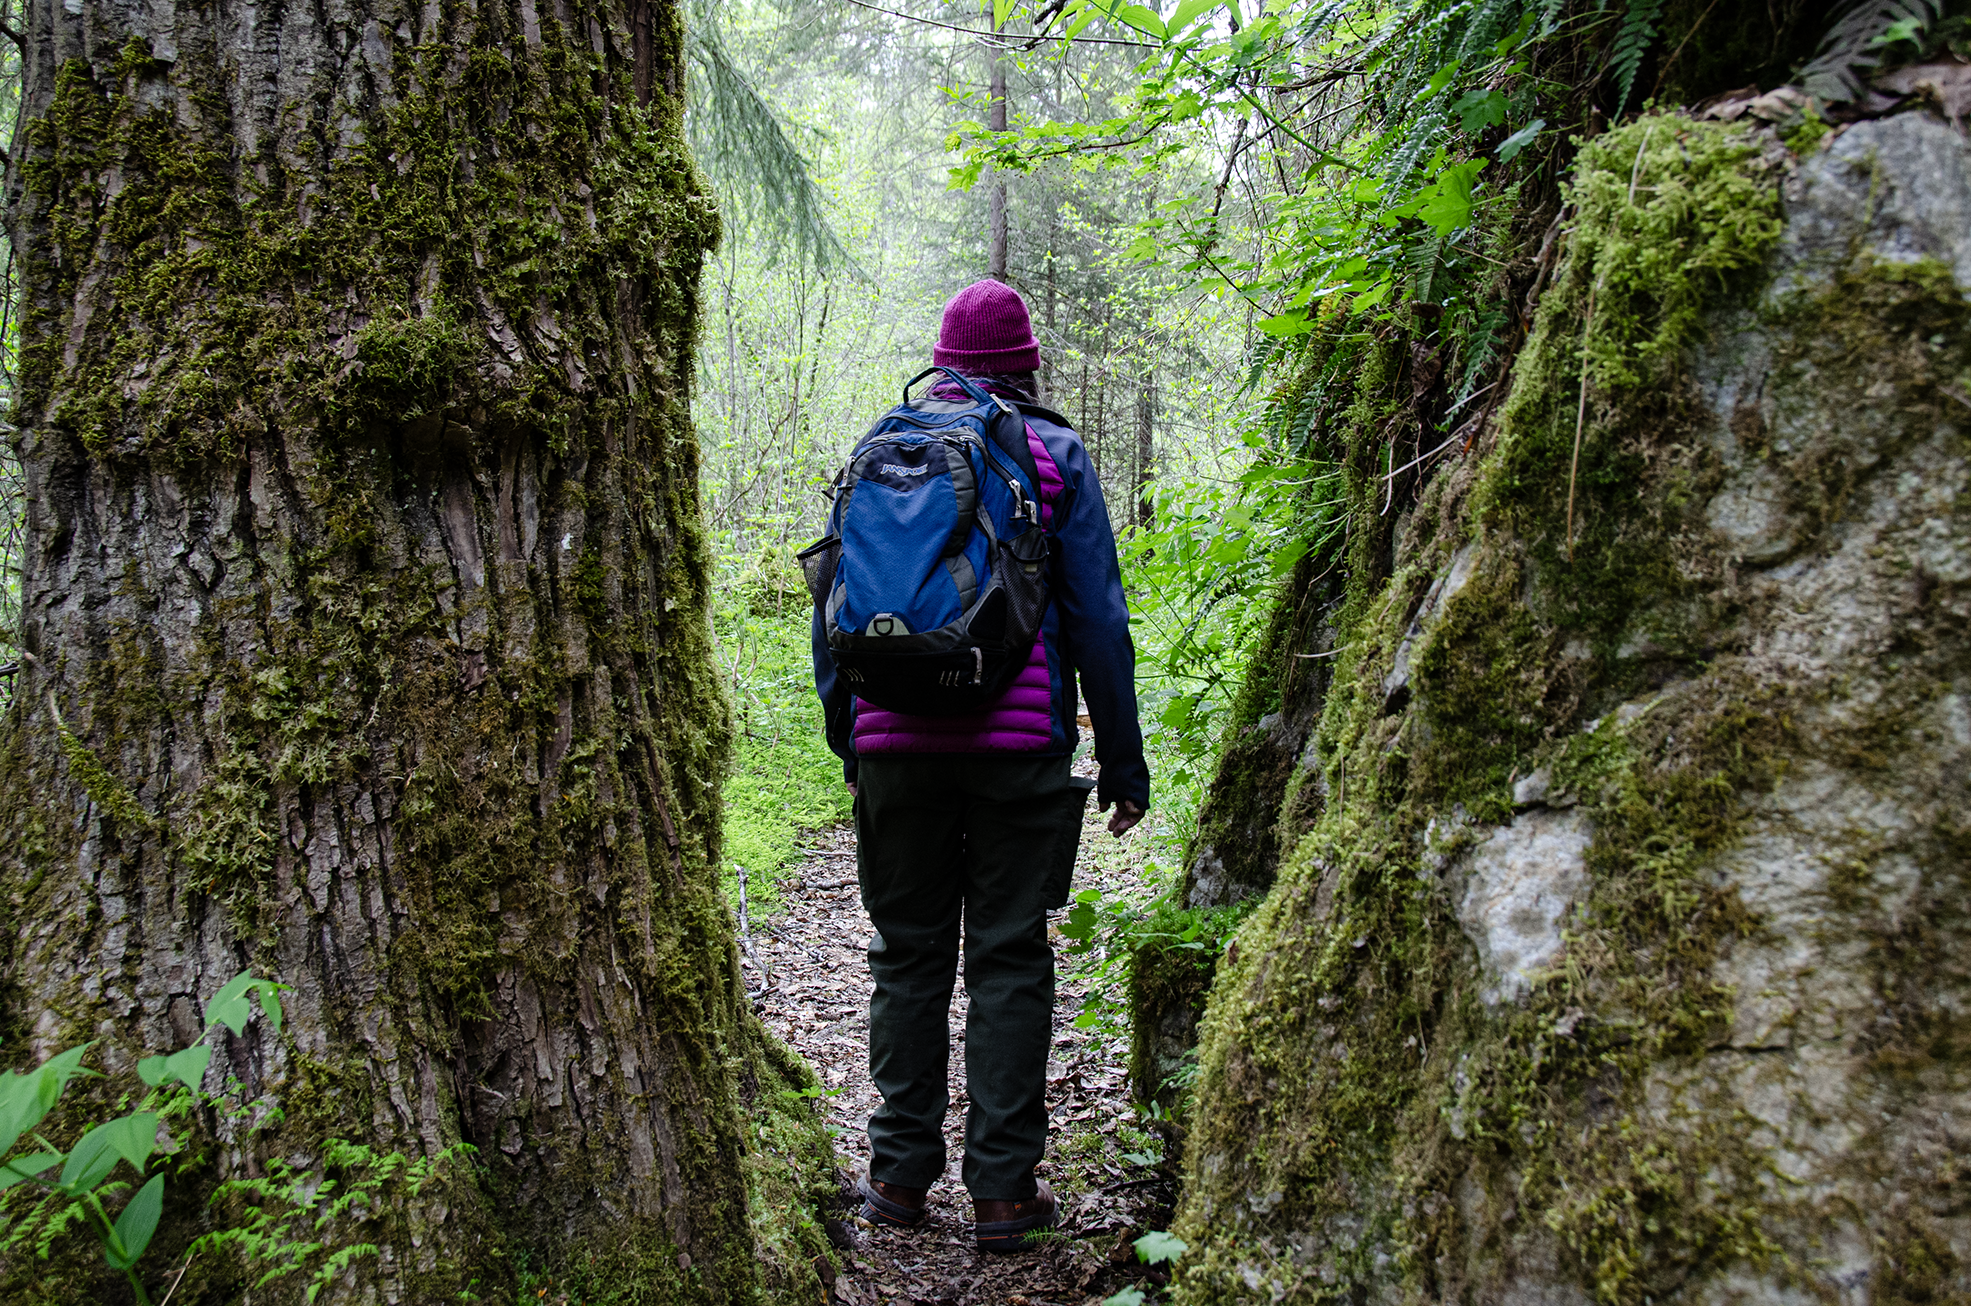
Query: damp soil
point(807, 970)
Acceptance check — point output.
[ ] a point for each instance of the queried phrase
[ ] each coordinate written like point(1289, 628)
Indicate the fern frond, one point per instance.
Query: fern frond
point(1425, 261)
point(1852, 48)
point(1632, 42)
point(1489, 20)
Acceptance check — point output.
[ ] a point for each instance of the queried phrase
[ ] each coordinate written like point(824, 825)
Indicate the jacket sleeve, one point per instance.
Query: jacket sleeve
point(837, 705)
point(1094, 619)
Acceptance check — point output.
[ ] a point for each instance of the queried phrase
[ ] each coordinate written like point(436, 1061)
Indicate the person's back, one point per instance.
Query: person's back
point(956, 816)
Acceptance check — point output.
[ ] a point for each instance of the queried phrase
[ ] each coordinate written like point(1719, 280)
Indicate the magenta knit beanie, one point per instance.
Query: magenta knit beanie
point(986, 330)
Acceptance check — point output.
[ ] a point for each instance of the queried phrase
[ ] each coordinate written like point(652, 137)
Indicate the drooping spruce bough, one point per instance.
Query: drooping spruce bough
point(367, 641)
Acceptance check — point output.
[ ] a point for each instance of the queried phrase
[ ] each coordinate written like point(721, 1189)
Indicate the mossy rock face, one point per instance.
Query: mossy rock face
point(1629, 957)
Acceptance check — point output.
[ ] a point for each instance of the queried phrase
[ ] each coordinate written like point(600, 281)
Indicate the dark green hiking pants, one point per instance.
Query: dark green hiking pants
point(940, 839)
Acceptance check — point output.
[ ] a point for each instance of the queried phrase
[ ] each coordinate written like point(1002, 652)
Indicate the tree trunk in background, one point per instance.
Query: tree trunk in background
point(996, 198)
point(1146, 411)
point(1052, 344)
point(365, 566)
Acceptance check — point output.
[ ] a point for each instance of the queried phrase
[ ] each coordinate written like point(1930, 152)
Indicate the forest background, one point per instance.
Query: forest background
point(1220, 219)
point(817, 311)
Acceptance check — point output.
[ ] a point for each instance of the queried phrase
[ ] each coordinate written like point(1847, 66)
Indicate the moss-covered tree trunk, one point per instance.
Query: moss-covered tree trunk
point(366, 617)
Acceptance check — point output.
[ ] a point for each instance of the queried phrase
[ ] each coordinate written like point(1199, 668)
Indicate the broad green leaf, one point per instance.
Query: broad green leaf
point(228, 1006)
point(20, 1169)
point(132, 1138)
point(1286, 324)
point(1373, 296)
point(1156, 1247)
point(1090, 896)
point(25, 1099)
point(1520, 139)
point(1439, 80)
point(1001, 10)
point(1189, 11)
point(135, 1226)
point(269, 994)
point(1447, 205)
point(187, 1066)
point(1903, 29)
point(1127, 1297)
point(1478, 110)
point(1142, 19)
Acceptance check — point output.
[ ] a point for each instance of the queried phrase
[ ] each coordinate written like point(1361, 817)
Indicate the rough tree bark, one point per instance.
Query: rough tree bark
point(365, 569)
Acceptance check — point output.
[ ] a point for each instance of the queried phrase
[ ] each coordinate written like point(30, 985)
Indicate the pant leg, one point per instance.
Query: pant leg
point(1009, 969)
point(909, 858)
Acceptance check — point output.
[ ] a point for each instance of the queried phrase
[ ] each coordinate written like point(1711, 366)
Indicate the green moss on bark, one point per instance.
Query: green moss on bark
point(417, 376)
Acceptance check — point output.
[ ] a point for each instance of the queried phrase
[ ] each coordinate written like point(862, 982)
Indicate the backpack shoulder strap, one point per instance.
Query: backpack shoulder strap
point(1004, 424)
point(1009, 433)
point(1043, 412)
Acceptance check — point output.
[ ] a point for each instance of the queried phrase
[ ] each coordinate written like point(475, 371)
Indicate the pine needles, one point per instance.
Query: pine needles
point(749, 153)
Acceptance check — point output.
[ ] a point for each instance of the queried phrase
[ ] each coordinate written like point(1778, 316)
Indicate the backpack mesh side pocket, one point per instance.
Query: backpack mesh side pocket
point(1025, 580)
point(818, 563)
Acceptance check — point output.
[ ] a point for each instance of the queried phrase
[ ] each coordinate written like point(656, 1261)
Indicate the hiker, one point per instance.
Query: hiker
point(956, 815)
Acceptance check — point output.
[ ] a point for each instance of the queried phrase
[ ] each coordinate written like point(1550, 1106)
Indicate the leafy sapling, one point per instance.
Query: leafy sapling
point(1154, 1248)
point(84, 1181)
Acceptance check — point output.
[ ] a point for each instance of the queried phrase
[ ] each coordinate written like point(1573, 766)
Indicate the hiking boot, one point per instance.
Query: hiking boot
point(892, 1204)
point(1009, 1226)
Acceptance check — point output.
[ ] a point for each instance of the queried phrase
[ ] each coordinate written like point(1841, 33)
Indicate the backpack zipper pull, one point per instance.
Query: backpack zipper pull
point(978, 665)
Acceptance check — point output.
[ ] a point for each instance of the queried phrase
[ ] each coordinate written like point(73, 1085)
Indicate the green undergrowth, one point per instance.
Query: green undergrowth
point(784, 780)
point(1358, 1083)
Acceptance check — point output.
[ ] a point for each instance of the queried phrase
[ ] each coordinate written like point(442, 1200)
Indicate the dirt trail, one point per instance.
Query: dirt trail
point(815, 995)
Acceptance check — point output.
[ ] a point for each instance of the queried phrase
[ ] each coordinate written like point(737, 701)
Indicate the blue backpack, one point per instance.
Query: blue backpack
point(932, 578)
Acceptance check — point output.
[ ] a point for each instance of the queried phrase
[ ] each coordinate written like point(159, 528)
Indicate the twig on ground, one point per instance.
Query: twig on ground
point(175, 1282)
point(1580, 419)
point(746, 934)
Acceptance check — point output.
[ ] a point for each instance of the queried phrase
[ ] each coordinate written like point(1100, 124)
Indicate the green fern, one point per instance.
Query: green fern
point(1854, 46)
point(1632, 42)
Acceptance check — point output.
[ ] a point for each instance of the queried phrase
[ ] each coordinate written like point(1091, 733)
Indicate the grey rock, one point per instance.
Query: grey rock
point(1523, 879)
point(1464, 564)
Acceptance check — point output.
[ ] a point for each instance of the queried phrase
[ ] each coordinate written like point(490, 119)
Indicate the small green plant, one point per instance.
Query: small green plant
point(1105, 934)
point(80, 1189)
point(290, 1206)
point(1156, 1247)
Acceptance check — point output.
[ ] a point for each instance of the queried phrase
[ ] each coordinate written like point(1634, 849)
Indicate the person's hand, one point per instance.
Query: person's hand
point(851, 785)
point(1127, 814)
